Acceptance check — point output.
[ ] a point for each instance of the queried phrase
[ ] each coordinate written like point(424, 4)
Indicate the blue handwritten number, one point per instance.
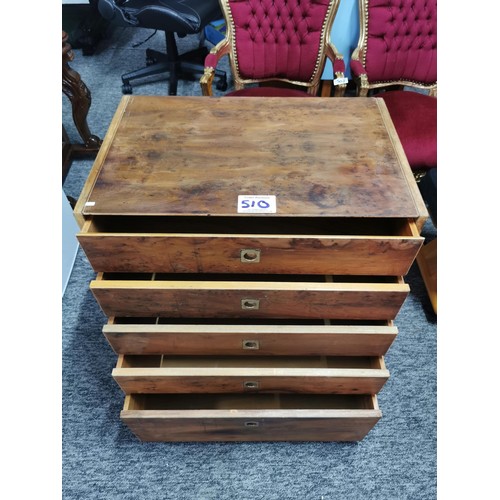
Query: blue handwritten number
point(251, 204)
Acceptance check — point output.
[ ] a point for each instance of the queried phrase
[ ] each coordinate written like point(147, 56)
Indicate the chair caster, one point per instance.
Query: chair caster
point(126, 88)
point(221, 84)
point(150, 61)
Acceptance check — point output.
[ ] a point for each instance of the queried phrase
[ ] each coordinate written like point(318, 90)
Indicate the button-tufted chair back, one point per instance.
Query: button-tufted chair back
point(398, 43)
point(286, 40)
point(402, 40)
point(278, 38)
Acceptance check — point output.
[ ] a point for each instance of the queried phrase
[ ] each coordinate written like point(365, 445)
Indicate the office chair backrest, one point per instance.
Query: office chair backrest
point(179, 16)
point(119, 16)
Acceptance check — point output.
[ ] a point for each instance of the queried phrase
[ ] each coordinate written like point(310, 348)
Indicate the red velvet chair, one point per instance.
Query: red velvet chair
point(276, 47)
point(398, 47)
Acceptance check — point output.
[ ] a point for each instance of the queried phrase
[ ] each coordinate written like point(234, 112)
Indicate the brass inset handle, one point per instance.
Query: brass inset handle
point(251, 424)
point(250, 304)
point(250, 255)
point(250, 384)
point(251, 344)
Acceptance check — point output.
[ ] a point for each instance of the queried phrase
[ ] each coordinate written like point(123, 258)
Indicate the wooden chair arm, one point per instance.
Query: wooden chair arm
point(338, 65)
point(359, 73)
point(211, 61)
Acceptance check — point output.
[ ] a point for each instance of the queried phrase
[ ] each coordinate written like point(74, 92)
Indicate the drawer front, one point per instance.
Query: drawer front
point(313, 375)
point(256, 254)
point(293, 423)
point(304, 339)
point(208, 299)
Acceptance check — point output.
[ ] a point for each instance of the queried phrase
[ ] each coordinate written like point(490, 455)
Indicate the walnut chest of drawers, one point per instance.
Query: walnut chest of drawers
point(250, 255)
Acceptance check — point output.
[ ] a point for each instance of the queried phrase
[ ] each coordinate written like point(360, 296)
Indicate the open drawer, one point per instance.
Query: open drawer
point(250, 417)
point(249, 337)
point(220, 374)
point(244, 296)
point(257, 245)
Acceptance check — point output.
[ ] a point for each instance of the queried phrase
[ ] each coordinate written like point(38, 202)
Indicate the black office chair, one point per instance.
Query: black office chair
point(181, 17)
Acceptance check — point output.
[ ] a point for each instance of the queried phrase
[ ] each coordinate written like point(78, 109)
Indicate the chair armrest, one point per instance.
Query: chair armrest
point(338, 64)
point(359, 74)
point(357, 68)
point(211, 61)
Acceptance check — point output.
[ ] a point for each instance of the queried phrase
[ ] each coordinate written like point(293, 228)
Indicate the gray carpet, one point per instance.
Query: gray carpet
point(103, 460)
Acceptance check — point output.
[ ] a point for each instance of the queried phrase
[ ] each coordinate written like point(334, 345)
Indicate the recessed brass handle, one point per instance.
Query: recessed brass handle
point(250, 255)
point(251, 344)
point(248, 304)
point(251, 424)
point(250, 384)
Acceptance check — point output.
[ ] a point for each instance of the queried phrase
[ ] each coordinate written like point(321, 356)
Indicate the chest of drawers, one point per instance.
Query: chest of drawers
point(250, 256)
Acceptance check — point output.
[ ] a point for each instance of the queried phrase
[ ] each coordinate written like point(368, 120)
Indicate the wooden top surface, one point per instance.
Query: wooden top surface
point(337, 157)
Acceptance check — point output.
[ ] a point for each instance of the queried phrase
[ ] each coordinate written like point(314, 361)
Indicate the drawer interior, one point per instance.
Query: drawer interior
point(249, 402)
point(123, 320)
point(166, 361)
point(269, 278)
point(254, 225)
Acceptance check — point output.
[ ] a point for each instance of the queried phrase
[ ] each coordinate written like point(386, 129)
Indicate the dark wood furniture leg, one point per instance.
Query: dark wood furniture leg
point(79, 95)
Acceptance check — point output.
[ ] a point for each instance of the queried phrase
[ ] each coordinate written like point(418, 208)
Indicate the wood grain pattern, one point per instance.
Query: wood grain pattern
point(279, 254)
point(314, 375)
point(208, 299)
point(250, 340)
point(195, 155)
point(161, 200)
point(156, 426)
point(263, 424)
point(101, 155)
point(405, 166)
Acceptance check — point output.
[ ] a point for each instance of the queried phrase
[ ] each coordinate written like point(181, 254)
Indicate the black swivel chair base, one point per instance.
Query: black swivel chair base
point(177, 66)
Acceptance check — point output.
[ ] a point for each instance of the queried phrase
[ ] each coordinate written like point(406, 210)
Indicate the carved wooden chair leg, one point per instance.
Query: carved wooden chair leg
point(79, 95)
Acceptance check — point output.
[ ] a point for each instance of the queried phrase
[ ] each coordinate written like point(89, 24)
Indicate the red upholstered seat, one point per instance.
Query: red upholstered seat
point(276, 40)
point(398, 46)
point(415, 118)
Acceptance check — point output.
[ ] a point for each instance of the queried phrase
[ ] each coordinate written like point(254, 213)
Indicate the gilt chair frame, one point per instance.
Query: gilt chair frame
point(227, 46)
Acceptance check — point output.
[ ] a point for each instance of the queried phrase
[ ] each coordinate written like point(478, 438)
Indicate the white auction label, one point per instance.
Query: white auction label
point(340, 81)
point(256, 204)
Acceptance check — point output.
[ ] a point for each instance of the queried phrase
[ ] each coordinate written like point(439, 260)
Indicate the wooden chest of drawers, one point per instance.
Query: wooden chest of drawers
point(250, 255)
